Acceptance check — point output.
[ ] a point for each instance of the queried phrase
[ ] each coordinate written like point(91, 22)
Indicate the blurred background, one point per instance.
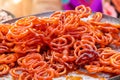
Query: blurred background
point(27, 7)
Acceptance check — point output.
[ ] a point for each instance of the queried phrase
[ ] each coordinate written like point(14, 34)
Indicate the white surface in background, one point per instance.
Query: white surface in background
point(84, 77)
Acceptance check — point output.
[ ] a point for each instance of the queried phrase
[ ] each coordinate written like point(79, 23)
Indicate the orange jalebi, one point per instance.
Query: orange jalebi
point(48, 47)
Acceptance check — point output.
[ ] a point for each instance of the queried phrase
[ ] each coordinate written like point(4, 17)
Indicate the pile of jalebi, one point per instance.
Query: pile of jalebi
point(35, 48)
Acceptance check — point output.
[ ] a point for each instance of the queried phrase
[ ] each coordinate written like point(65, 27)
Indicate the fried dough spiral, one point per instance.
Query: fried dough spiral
point(43, 48)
